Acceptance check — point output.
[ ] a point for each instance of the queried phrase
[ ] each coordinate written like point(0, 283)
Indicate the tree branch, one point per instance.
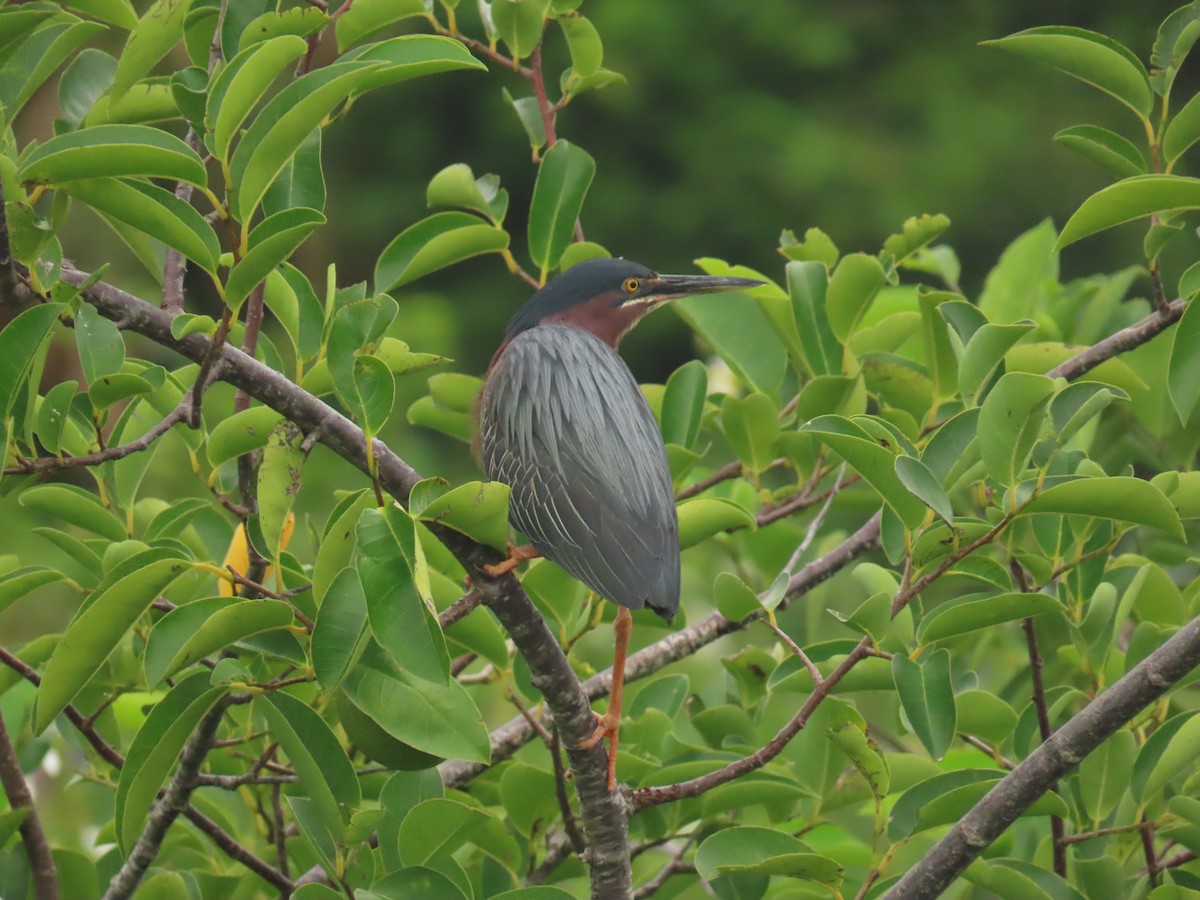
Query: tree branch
point(1119, 342)
point(41, 861)
point(168, 807)
point(1001, 806)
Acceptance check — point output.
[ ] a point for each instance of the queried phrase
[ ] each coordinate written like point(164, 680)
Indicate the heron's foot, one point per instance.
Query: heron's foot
point(607, 726)
point(516, 556)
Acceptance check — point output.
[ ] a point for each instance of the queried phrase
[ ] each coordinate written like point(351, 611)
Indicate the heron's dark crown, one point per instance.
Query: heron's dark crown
point(579, 284)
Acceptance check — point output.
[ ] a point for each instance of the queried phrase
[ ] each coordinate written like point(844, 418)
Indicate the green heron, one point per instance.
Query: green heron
point(564, 424)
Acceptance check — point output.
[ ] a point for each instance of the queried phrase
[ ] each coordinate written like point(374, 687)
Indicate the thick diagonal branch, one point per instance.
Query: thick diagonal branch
point(1000, 807)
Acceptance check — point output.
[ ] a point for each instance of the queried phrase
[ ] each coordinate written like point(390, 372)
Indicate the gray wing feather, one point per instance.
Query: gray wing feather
point(563, 422)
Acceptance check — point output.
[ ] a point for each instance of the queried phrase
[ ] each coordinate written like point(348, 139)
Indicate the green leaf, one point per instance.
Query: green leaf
point(922, 484)
point(1115, 154)
point(853, 740)
point(436, 828)
point(74, 505)
point(973, 612)
point(154, 211)
point(36, 58)
point(240, 433)
point(702, 517)
point(395, 580)
point(456, 185)
point(1127, 200)
point(927, 698)
point(807, 284)
point(278, 484)
point(115, 12)
point(83, 82)
point(194, 630)
point(154, 751)
point(283, 125)
point(817, 246)
point(1104, 774)
point(411, 56)
point(939, 352)
point(734, 598)
point(366, 18)
point(740, 333)
point(751, 425)
point(271, 242)
point(16, 584)
point(1016, 287)
point(95, 632)
point(298, 21)
point(519, 24)
point(1121, 497)
point(325, 772)
point(441, 720)
point(874, 462)
point(852, 288)
point(20, 344)
point(1010, 420)
point(915, 233)
point(751, 849)
point(1077, 404)
point(1170, 750)
point(100, 345)
point(301, 184)
point(580, 251)
point(435, 242)
point(530, 117)
point(240, 85)
point(478, 509)
point(583, 43)
point(985, 352)
point(1183, 365)
point(1092, 58)
point(414, 881)
point(562, 184)
point(1174, 41)
point(113, 151)
point(683, 404)
point(158, 30)
point(374, 392)
point(338, 541)
point(340, 630)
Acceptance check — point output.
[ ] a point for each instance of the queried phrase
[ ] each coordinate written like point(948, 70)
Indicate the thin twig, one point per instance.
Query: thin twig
point(1105, 832)
point(674, 865)
point(460, 608)
point(108, 454)
point(1057, 828)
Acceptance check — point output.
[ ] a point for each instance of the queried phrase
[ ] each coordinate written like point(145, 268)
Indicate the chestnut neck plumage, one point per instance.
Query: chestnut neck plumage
point(605, 316)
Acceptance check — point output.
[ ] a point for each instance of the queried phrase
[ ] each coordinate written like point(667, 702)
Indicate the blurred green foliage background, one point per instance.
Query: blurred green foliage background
point(739, 120)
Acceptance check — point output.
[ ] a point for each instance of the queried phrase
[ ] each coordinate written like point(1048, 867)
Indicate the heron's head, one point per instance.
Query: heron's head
point(607, 297)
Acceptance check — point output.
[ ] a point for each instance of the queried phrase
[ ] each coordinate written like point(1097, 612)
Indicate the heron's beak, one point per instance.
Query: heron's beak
point(671, 287)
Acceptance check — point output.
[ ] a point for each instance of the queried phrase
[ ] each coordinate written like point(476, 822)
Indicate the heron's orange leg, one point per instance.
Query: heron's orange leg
point(516, 556)
point(609, 724)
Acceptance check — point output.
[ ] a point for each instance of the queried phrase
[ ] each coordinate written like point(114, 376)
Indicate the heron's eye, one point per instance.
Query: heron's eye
point(631, 285)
